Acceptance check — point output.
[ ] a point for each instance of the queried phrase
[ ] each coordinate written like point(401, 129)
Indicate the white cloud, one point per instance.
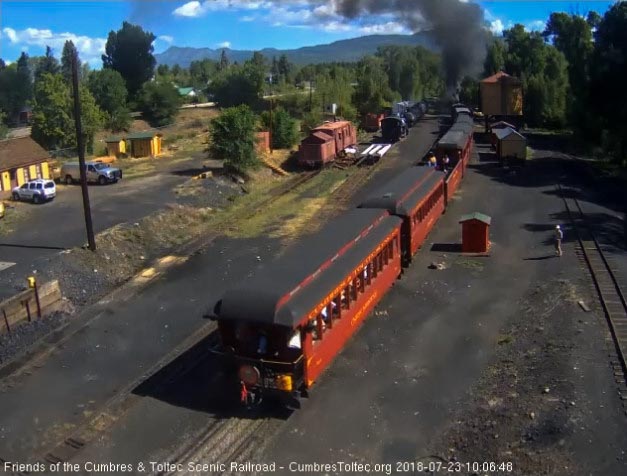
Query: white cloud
point(224, 44)
point(536, 25)
point(247, 18)
point(190, 9)
point(166, 38)
point(389, 28)
point(497, 26)
point(89, 48)
point(196, 9)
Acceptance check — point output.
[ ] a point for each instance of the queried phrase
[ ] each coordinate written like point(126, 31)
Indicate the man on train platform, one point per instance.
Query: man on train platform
point(559, 236)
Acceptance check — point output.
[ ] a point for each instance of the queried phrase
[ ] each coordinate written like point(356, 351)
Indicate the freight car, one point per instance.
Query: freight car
point(326, 143)
point(372, 122)
point(394, 128)
point(283, 327)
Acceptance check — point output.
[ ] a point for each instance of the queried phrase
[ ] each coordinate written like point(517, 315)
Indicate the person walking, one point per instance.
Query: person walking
point(559, 236)
point(445, 163)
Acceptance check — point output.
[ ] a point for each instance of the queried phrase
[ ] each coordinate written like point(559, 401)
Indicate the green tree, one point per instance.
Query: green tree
point(495, 58)
point(3, 127)
point(335, 87)
point(373, 92)
point(47, 64)
point(201, 72)
point(53, 114)
point(69, 52)
point(109, 90)
point(163, 70)
point(572, 35)
point(237, 85)
point(609, 76)
point(3, 65)
point(284, 131)
point(233, 138)
point(469, 93)
point(159, 102)
point(224, 61)
point(129, 51)
point(25, 79)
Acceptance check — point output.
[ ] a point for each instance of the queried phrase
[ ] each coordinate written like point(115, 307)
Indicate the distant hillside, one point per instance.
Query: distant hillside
point(343, 50)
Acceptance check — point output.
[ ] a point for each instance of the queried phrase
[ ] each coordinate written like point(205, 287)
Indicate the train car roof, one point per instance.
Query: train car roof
point(389, 118)
point(453, 138)
point(403, 193)
point(285, 290)
point(331, 125)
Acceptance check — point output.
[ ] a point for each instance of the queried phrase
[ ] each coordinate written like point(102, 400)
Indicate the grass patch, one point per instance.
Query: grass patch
point(290, 214)
point(505, 339)
point(14, 214)
point(472, 264)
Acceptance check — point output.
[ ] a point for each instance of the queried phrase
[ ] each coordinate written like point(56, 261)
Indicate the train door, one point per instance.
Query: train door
point(406, 240)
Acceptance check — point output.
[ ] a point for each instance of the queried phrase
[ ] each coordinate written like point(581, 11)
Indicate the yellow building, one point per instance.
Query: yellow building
point(501, 95)
point(145, 144)
point(116, 146)
point(21, 160)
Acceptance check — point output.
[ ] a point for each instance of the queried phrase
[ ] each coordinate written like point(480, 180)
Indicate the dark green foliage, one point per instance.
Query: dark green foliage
point(3, 127)
point(47, 64)
point(495, 58)
point(69, 52)
point(237, 85)
point(159, 102)
point(469, 92)
point(224, 61)
point(233, 138)
point(201, 72)
point(284, 132)
point(544, 73)
point(129, 51)
point(608, 78)
point(109, 90)
point(373, 92)
point(53, 113)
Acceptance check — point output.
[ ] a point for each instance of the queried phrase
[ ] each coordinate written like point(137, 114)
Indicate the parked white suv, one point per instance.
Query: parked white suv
point(37, 191)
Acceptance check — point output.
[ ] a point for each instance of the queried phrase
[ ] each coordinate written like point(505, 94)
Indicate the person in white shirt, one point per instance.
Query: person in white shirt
point(559, 236)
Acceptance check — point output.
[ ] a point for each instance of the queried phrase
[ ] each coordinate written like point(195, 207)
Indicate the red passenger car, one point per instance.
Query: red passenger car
point(416, 196)
point(284, 326)
point(457, 145)
point(327, 142)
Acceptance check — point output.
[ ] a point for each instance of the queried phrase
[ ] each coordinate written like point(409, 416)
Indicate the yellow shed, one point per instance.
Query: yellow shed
point(501, 95)
point(115, 146)
point(145, 144)
point(21, 160)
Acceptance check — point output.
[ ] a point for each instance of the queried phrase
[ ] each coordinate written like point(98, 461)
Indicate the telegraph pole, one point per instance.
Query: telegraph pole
point(80, 144)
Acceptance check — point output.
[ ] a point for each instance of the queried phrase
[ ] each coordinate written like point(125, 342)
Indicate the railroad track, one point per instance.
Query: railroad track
point(608, 289)
point(214, 448)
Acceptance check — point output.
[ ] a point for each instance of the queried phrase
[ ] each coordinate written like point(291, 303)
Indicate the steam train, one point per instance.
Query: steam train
point(284, 326)
point(404, 115)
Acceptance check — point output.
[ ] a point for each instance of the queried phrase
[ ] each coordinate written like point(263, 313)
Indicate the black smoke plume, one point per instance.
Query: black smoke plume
point(457, 27)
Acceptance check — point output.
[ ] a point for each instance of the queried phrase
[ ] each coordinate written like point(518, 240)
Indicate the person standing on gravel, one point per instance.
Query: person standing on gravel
point(559, 236)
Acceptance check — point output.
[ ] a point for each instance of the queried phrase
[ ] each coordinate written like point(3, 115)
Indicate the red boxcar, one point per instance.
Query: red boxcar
point(285, 325)
point(327, 142)
point(417, 196)
point(372, 122)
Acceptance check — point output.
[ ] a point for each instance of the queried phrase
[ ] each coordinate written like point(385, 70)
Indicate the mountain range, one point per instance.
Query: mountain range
point(341, 51)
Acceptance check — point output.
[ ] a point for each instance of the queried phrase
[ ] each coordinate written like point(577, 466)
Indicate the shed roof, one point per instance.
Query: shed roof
point(332, 125)
point(286, 290)
point(19, 152)
point(500, 76)
point(403, 193)
point(317, 137)
point(185, 91)
point(143, 135)
point(501, 125)
point(476, 216)
point(111, 139)
point(507, 132)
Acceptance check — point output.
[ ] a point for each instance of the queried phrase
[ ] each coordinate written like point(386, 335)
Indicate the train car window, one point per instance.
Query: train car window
point(345, 297)
point(337, 310)
point(354, 290)
point(370, 273)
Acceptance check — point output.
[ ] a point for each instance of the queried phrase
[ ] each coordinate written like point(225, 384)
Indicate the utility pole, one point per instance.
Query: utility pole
point(271, 124)
point(80, 144)
point(311, 95)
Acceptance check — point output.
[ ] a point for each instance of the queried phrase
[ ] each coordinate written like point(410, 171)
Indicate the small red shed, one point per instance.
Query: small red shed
point(475, 233)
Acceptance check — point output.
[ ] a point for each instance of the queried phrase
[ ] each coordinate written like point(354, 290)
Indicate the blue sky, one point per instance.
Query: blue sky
point(240, 24)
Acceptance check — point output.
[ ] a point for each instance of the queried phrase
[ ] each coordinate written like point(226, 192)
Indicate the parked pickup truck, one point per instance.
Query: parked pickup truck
point(96, 173)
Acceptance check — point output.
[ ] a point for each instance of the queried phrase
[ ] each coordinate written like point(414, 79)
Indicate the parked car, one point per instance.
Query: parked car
point(97, 172)
point(37, 191)
point(2, 209)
